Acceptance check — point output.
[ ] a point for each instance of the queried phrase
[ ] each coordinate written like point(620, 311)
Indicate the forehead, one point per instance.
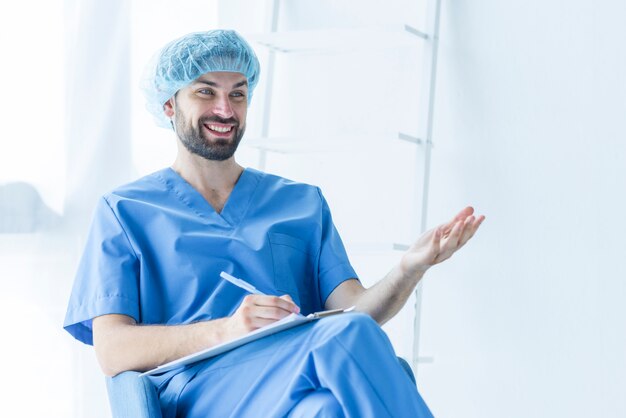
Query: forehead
point(223, 79)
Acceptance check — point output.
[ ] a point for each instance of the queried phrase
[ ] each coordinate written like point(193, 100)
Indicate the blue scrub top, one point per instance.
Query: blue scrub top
point(156, 248)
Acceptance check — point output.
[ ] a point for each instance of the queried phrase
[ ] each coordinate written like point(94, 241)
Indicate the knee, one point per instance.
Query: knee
point(361, 322)
point(362, 319)
point(355, 320)
point(351, 326)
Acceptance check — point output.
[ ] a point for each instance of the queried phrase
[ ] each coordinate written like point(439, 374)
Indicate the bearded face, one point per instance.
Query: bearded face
point(209, 115)
point(212, 138)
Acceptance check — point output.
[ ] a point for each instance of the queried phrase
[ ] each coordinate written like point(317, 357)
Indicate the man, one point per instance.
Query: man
point(148, 289)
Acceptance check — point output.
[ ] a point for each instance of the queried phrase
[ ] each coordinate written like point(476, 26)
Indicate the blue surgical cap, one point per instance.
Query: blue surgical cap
point(187, 58)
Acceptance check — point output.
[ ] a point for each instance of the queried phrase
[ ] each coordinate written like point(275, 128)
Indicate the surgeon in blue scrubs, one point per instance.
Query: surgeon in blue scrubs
point(148, 287)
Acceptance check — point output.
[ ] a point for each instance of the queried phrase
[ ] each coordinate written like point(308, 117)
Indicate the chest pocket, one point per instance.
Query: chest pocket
point(292, 266)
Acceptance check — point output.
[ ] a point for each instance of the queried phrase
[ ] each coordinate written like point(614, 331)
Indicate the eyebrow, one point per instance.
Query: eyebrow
point(214, 84)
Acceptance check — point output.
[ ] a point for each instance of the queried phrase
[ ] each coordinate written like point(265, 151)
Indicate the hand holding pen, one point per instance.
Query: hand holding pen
point(257, 309)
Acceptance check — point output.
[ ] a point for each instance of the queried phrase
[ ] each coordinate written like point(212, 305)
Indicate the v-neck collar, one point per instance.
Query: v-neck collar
point(235, 207)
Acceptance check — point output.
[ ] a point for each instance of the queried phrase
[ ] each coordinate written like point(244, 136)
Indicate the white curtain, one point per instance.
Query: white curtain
point(74, 127)
point(66, 140)
point(98, 100)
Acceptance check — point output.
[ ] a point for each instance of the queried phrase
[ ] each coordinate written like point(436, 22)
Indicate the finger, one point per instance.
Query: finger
point(477, 223)
point(271, 313)
point(461, 216)
point(289, 299)
point(468, 231)
point(472, 228)
point(280, 302)
point(257, 322)
point(451, 242)
point(436, 240)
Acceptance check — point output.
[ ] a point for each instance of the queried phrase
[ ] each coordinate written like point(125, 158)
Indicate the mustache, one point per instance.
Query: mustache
point(229, 121)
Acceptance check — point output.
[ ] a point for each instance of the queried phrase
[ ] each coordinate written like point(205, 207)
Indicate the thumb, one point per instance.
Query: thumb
point(436, 241)
point(436, 244)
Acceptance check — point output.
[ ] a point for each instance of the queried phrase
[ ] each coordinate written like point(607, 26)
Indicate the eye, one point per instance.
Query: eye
point(205, 91)
point(238, 95)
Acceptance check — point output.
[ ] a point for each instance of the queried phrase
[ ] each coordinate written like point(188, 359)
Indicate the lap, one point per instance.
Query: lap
point(270, 376)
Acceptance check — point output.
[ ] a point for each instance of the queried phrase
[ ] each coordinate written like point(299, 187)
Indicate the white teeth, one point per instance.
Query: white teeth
point(220, 129)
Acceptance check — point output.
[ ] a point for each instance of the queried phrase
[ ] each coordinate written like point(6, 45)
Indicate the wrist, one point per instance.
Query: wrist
point(412, 273)
point(411, 270)
point(215, 331)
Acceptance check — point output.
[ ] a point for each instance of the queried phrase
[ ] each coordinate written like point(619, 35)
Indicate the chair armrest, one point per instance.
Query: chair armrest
point(132, 396)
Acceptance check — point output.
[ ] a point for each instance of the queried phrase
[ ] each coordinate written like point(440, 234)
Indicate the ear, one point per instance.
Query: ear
point(168, 108)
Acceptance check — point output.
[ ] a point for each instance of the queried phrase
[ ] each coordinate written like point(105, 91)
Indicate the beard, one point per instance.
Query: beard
point(196, 141)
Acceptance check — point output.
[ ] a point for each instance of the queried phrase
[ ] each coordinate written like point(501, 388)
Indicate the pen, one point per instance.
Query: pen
point(241, 283)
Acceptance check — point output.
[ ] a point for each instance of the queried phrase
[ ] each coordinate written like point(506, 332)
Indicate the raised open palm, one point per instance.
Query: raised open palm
point(438, 244)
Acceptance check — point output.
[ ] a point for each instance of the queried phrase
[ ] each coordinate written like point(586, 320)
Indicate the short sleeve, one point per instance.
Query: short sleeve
point(107, 278)
point(334, 266)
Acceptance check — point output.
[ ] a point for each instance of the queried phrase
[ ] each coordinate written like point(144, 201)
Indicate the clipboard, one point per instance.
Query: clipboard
point(287, 322)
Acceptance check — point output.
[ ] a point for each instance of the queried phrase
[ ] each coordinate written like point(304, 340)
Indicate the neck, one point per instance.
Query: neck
point(206, 175)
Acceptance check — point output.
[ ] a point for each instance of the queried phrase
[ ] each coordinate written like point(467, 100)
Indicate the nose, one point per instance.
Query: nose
point(223, 107)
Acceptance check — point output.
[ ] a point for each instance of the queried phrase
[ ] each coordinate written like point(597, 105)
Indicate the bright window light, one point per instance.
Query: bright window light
point(32, 146)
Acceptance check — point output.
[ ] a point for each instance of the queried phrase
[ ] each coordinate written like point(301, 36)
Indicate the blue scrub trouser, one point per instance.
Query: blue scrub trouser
point(337, 366)
point(319, 404)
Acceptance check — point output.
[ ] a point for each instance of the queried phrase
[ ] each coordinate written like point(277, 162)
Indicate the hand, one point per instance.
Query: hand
point(256, 311)
point(440, 243)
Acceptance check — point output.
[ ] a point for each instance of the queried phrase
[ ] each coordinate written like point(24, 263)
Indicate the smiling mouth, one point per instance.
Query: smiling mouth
point(218, 129)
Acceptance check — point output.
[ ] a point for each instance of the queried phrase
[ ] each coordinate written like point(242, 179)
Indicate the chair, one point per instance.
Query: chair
point(132, 396)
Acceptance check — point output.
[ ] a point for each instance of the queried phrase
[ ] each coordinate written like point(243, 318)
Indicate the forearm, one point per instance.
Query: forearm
point(381, 301)
point(122, 345)
point(385, 299)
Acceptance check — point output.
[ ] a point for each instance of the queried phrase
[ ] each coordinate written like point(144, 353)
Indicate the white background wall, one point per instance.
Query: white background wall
point(527, 321)
point(530, 320)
